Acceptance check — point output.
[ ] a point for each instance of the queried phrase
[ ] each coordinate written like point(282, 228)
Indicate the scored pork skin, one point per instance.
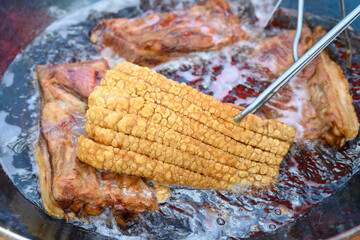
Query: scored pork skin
point(141, 123)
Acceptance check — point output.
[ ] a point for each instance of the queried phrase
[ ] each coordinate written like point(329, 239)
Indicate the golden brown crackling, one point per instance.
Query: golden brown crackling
point(166, 154)
point(117, 100)
point(131, 163)
point(211, 106)
point(240, 158)
point(162, 193)
point(180, 106)
point(177, 114)
point(166, 133)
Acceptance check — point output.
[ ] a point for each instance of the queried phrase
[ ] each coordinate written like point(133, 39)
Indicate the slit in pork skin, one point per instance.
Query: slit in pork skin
point(137, 124)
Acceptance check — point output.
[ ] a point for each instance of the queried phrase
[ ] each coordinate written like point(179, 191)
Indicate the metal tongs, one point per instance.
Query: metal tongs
point(299, 63)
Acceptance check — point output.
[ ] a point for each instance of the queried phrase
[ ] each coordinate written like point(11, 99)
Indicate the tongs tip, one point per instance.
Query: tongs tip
point(242, 115)
point(284, 78)
point(238, 117)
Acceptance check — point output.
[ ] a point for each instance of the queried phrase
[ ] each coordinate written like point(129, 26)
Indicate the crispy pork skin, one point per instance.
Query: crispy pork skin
point(141, 123)
point(159, 37)
point(69, 186)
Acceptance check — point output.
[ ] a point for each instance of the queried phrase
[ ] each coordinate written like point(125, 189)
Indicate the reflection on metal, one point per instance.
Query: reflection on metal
point(272, 13)
point(352, 234)
point(300, 13)
point(346, 35)
point(294, 69)
point(9, 235)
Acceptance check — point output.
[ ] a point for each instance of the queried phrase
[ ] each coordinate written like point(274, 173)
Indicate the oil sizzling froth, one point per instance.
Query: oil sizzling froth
point(308, 174)
point(231, 75)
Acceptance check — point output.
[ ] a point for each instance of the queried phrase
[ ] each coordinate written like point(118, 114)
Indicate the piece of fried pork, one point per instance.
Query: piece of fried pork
point(68, 186)
point(159, 37)
point(141, 123)
point(326, 106)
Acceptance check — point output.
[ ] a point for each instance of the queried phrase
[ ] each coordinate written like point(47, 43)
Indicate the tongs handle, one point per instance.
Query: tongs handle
point(281, 81)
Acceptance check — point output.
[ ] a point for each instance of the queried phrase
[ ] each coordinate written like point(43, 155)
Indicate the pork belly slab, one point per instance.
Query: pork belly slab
point(68, 186)
point(326, 104)
point(141, 123)
point(159, 37)
point(330, 97)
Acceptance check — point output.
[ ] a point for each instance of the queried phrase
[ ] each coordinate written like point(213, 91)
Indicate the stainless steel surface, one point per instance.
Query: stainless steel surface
point(272, 12)
point(9, 235)
point(352, 234)
point(335, 214)
point(299, 65)
point(300, 13)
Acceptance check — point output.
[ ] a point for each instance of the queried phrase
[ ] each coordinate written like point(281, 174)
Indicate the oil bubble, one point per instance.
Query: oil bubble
point(220, 221)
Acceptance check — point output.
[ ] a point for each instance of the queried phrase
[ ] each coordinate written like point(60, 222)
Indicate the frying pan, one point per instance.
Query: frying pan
point(21, 21)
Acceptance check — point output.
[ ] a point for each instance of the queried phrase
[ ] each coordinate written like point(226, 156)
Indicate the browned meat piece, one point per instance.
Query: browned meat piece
point(327, 110)
point(159, 37)
point(331, 99)
point(275, 52)
point(72, 75)
point(67, 185)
